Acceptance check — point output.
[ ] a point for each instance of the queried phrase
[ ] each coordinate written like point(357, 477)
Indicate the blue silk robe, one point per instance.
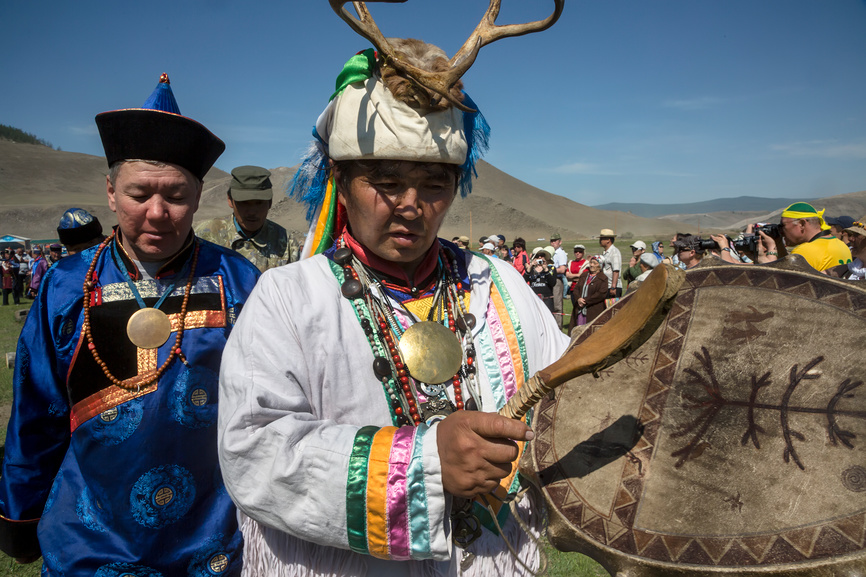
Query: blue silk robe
point(123, 482)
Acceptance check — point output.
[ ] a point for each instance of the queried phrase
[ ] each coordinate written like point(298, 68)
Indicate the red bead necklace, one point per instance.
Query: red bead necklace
point(393, 372)
point(135, 383)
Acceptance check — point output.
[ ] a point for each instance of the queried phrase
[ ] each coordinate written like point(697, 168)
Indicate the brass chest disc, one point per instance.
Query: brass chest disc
point(432, 353)
point(148, 328)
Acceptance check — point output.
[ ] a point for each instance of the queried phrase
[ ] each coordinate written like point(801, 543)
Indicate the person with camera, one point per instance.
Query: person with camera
point(728, 250)
point(804, 229)
point(589, 294)
point(541, 278)
point(690, 250)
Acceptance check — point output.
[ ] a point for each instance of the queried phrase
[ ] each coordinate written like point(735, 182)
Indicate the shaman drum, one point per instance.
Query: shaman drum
point(732, 442)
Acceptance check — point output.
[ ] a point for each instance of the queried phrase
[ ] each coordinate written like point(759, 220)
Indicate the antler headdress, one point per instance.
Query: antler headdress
point(442, 81)
point(404, 103)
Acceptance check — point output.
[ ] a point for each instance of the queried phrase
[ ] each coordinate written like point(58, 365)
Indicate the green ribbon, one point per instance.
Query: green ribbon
point(359, 68)
point(356, 490)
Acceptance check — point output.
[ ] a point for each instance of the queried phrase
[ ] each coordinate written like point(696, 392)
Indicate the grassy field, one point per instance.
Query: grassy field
point(561, 564)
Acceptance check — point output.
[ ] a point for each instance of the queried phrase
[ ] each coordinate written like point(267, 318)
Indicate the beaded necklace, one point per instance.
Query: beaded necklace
point(412, 401)
point(135, 383)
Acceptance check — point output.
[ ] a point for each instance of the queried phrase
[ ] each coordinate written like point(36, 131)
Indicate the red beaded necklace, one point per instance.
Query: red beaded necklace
point(383, 333)
point(135, 383)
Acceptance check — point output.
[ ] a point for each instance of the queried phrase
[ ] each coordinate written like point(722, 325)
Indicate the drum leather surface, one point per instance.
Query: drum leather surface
point(732, 442)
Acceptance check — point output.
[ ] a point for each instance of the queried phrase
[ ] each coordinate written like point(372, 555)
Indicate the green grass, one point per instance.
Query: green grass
point(561, 564)
point(10, 567)
point(9, 331)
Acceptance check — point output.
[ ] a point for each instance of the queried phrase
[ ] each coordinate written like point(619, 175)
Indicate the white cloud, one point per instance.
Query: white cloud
point(88, 130)
point(582, 168)
point(702, 103)
point(823, 149)
point(597, 170)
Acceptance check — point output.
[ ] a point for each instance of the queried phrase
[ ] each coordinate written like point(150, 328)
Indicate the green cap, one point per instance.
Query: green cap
point(251, 183)
point(555, 236)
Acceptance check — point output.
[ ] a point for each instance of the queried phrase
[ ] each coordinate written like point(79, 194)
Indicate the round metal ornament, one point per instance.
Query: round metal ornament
point(148, 328)
point(432, 353)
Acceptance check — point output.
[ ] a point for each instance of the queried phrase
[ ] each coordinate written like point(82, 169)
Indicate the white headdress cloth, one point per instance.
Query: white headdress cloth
point(365, 121)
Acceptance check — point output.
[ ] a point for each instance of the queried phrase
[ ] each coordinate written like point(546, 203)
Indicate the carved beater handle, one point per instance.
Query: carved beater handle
point(628, 329)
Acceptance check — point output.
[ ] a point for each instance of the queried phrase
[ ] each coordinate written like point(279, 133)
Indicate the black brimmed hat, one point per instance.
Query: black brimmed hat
point(158, 131)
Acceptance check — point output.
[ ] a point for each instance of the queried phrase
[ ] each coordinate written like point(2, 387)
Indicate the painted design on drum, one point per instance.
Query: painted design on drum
point(742, 326)
point(115, 425)
point(634, 360)
point(620, 532)
point(193, 398)
point(52, 494)
point(91, 508)
point(126, 570)
point(714, 401)
point(210, 559)
point(854, 478)
point(162, 496)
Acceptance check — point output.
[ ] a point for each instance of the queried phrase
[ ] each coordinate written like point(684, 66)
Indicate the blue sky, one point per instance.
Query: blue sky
point(622, 100)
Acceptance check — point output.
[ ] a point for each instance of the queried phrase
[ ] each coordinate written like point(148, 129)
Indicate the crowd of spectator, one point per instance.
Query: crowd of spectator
point(835, 246)
point(23, 269)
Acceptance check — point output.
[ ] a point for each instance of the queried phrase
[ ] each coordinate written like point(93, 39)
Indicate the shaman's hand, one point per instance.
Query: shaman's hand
point(476, 450)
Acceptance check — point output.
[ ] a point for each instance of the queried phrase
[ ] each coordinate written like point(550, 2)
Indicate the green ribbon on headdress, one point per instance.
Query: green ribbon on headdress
point(805, 210)
point(359, 68)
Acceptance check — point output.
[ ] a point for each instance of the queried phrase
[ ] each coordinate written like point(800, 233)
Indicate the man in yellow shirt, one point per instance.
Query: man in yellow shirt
point(804, 229)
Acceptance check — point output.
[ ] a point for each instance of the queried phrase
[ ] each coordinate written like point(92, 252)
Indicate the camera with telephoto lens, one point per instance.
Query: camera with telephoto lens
point(750, 242)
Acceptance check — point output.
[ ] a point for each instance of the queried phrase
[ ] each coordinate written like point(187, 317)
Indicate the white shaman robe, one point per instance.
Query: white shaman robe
point(326, 484)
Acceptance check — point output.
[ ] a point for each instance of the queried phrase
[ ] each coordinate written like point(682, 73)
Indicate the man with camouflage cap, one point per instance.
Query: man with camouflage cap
point(249, 232)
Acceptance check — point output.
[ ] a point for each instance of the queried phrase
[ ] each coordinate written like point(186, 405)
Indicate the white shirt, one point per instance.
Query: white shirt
point(612, 263)
point(297, 384)
point(560, 258)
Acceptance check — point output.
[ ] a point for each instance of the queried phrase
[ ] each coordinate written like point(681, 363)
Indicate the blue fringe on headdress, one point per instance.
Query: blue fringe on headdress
point(311, 180)
point(477, 133)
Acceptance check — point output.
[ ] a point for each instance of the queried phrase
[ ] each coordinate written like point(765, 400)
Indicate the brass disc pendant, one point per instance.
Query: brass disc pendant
point(148, 328)
point(432, 353)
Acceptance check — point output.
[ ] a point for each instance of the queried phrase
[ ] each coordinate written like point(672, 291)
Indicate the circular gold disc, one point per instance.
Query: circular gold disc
point(432, 353)
point(148, 328)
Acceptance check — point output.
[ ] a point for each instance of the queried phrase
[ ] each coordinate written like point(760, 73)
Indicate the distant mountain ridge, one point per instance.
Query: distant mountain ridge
point(738, 204)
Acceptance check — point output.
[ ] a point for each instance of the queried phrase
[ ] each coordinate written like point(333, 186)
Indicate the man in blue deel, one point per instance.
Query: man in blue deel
point(111, 452)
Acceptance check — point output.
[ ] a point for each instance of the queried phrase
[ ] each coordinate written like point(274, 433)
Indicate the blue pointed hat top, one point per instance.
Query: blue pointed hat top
point(162, 98)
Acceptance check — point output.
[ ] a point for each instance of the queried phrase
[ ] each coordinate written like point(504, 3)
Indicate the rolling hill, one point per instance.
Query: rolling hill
point(37, 184)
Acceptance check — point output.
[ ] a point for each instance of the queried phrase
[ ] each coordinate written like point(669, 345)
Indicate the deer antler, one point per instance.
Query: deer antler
point(486, 32)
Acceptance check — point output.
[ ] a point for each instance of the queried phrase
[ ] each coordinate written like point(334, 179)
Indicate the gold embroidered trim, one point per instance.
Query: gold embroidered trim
point(107, 398)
